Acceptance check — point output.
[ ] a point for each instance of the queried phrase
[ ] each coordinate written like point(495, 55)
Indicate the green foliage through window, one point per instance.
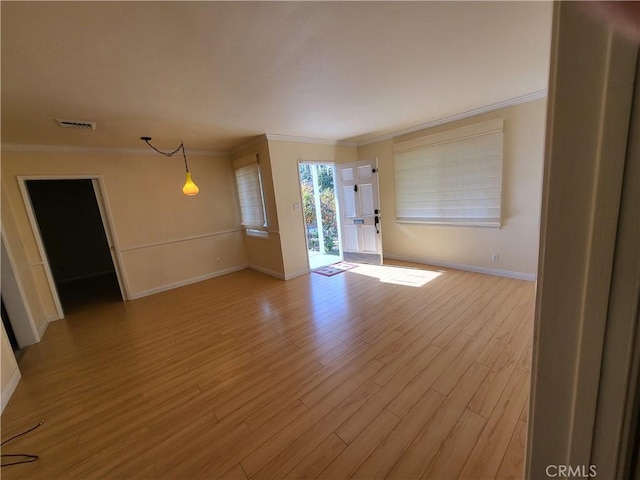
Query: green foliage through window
point(328, 216)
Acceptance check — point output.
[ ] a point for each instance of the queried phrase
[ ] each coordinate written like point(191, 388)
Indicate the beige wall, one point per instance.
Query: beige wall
point(8, 367)
point(264, 254)
point(164, 238)
point(516, 242)
point(285, 156)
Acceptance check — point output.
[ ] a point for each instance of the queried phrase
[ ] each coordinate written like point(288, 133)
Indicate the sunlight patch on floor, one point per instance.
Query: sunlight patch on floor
point(409, 277)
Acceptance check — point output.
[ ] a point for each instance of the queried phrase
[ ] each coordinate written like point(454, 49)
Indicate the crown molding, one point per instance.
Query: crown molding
point(529, 97)
point(323, 141)
point(15, 147)
point(254, 141)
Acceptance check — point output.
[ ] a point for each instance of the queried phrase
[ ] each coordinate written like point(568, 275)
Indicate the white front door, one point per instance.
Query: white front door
point(358, 197)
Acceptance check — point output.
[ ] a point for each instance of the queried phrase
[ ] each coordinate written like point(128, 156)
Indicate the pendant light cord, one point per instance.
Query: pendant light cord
point(170, 154)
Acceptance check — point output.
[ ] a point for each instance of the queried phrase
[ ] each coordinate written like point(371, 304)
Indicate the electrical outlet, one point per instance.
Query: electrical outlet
point(495, 258)
point(218, 260)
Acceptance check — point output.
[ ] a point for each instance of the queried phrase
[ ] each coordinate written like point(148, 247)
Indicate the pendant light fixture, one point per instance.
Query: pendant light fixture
point(189, 188)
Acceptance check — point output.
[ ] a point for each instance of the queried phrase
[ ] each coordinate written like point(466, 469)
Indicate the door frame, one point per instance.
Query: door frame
point(107, 222)
point(586, 361)
point(336, 200)
point(24, 326)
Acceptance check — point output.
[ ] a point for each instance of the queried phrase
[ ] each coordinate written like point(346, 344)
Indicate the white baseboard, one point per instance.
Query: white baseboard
point(182, 283)
point(271, 273)
point(9, 388)
point(290, 276)
point(531, 277)
point(43, 326)
point(266, 271)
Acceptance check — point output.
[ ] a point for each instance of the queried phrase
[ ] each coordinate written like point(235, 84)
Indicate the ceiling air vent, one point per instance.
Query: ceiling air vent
point(76, 124)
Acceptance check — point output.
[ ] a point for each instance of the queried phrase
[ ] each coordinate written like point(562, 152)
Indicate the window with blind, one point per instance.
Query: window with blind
point(451, 178)
point(250, 194)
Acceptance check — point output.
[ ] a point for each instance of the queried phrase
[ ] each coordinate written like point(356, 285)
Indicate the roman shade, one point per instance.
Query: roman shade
point(451, 178)
point(248, 181)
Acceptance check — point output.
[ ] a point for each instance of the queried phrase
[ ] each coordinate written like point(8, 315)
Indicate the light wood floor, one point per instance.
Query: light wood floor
point(388, 372)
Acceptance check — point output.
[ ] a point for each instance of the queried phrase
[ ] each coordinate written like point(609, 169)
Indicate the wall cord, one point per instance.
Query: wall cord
point(27, 458)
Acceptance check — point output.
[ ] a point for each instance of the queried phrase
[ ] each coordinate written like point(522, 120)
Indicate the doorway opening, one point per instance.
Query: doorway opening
point(75, 241)
point(320, 211)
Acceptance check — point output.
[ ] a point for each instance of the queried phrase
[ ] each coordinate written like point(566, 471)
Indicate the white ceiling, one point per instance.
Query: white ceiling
point(217, 74)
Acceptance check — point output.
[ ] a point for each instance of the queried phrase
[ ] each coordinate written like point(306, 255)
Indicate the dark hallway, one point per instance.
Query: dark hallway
point(75, 241)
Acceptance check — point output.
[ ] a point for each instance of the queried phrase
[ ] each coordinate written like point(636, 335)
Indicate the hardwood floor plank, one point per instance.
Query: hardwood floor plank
point(517, 305)
point(456, 448)
point(249, 393)
point(407, 398)
point(279, 465)
point(314, 463)
point(489, 451)
point(359, 421)
point(231, 454)
point(126, 457)
point(426, 323)
point(423, 448)
point(300, 425)
point(487, 316)
point(384, 457)
point(469, 308)
point(236, 473)
point(416, 311)
point(524, 417)
point(186, 462)
point(451, 376)
point(102, 432)
point(524, 362)
point(217, 382)
point(361, 447)
point(326, 386)
point(338, 348)
point(512, 466)
point(247, 376)
point(489, 392)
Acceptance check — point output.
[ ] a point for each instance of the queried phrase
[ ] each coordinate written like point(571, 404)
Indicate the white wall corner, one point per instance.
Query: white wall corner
point(290, 276)
point(9, 388)
point(45, 324)
point(266, 271)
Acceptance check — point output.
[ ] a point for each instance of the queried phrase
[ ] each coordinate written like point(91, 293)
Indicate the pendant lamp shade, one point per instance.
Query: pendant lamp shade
point(190, 188)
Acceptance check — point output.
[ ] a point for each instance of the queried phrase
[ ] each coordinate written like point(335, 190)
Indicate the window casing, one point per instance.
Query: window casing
point(451, 178)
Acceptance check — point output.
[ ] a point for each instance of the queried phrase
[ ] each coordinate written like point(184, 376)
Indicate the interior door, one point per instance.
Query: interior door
point(107, 231)
point(358, 198)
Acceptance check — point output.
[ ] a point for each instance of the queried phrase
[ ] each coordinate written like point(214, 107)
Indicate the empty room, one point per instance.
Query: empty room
point(265, 240)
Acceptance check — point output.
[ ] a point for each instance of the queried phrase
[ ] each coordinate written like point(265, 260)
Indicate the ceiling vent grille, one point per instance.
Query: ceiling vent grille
point(76, 124)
